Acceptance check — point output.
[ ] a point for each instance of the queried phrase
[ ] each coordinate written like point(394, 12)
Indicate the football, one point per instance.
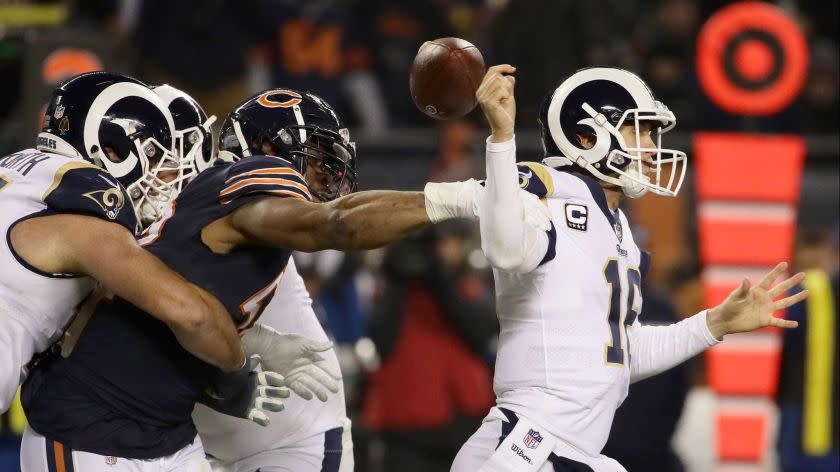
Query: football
point(444, 77)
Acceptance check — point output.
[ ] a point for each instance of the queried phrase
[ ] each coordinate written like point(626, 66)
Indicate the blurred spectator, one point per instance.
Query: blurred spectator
point(545, 41)
point(433, 322)
point(455, 158)
point(667, 47)
point(818, 100)
point(395, 30)
point(816, 249)
point(808, 377)
point(199, 46)
point(643, 426)
point(317, 46)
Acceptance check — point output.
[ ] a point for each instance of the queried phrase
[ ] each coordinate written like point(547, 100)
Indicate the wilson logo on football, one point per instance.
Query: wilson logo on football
point(274, 99)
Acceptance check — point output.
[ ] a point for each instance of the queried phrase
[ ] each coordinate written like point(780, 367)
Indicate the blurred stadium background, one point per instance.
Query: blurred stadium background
point(757, 112)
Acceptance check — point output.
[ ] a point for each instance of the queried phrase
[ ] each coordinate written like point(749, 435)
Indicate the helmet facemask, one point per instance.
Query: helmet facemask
point(194, 146)
point(330, 151)
point(162, 174)
point(663, 171)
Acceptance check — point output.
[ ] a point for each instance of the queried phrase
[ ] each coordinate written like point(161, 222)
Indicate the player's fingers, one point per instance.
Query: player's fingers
point(785, 324)
point(254, 361)
point(791, 300)
point(269, 404)
point(489, 79)
point(258, 417)
point(785, 285)
point(301, 390)
point(772, 275)
point(318, 346)
point(324, 379)
point(502, 69)
point(742, 289)
point(274, 392)
point(487, 88)
point(271, 379)
point(332, 371)
point(493, 93)
point(307, 382)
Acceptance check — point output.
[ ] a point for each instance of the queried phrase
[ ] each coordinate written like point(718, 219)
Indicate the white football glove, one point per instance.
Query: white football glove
point(296, 358)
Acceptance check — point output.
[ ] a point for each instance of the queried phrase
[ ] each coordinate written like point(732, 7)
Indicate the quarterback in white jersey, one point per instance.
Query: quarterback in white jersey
point(568, 299)
point(64, 215)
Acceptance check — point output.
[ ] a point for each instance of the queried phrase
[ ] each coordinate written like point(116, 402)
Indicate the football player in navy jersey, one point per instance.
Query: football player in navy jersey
point(67, 220)
point(230, 231)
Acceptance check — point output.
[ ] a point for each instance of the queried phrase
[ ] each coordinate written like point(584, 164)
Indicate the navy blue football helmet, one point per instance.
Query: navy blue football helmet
point(597, 102)
point(113, 121)
point(299, 126)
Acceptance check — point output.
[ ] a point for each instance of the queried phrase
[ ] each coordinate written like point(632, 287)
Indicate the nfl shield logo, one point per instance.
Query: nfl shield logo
point(618, 230)
point(532, 439)
point(59, 111)
point(110, 460)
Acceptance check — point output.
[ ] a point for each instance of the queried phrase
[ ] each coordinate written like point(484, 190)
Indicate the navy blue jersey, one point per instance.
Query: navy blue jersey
point(128, 388)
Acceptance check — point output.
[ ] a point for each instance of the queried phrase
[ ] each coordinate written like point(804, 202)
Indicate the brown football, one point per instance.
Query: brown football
point(444, 77)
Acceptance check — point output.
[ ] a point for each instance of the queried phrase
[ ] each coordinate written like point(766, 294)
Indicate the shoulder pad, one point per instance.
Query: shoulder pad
point(535, 178)
point(80, 187)
point(263, 175)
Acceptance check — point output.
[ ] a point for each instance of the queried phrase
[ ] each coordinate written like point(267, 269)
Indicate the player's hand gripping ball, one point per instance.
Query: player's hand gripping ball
point(444, 77)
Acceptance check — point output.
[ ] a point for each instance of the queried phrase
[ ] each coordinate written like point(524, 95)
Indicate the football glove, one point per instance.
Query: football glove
point(297, 358)
point(246, 393)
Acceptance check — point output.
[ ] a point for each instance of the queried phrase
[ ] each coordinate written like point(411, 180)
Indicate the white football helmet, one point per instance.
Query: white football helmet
point(597, 102)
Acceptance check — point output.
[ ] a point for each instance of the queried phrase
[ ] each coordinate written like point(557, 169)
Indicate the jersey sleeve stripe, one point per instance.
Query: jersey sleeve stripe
point(271, 170)
point(272, 192)
point(264, 181)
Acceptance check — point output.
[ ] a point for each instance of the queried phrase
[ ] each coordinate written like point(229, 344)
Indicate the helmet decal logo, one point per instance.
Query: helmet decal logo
point(110, 200)
point(64, 125)
point(266, 99)
point(524, 178)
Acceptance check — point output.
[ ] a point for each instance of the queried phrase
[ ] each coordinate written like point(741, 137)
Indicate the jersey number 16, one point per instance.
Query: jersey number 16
point(615, 353)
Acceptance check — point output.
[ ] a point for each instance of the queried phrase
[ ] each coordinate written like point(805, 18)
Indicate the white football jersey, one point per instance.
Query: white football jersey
point(563, 357)
point(232, 439)
point(34, 306)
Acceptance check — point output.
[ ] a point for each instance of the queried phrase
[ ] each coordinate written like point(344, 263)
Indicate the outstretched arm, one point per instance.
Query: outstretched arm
point(362, 220)
point(654, 349)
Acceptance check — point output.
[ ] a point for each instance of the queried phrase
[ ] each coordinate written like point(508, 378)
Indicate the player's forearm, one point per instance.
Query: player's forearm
point(372, 219)
point(199, 321)
point(655, 349)
point(214, 339)
point(505, 236)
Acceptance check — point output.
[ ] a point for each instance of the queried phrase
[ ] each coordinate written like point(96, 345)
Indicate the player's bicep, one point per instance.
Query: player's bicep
point(284, 222)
